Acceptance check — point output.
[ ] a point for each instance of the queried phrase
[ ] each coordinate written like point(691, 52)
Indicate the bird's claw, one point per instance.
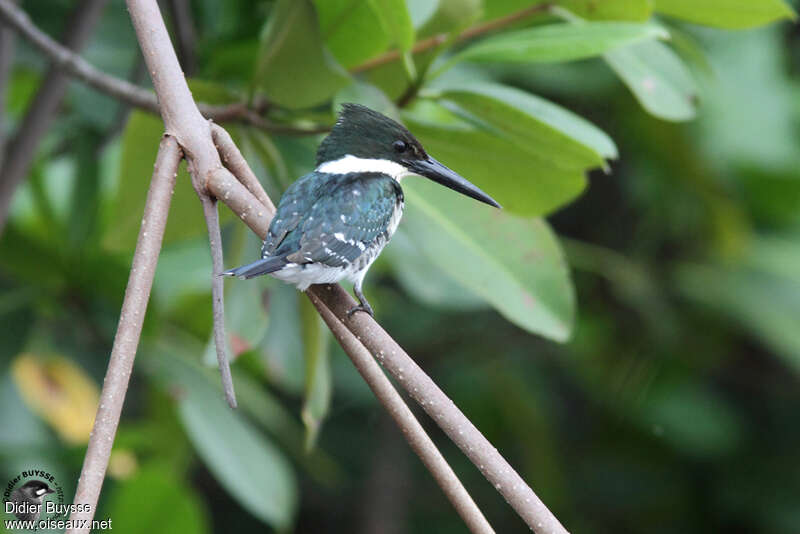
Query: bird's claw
point(361, 307)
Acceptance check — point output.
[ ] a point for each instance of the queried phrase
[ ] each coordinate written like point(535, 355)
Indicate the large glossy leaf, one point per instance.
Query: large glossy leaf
point(514, 263)
point(423, 279)
point(153, 501)
point(294, 68)
point(535, 124)
point(318, 373)
point(559, 42)
point(282, 347)
point(732, 14)
point(243, 460)
point(139, 148)
point(657, 78)
point(396, 21)
point(352, 30)
point(526, 183)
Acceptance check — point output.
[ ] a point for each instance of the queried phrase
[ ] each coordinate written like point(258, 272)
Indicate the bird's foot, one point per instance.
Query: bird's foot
point(364, 307)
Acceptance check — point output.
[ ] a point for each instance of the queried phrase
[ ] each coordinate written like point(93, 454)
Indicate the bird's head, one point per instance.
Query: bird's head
point(35, 489)
point(363, 140)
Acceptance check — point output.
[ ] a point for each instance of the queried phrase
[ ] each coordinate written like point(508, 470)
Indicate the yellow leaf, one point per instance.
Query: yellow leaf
point(59, 392)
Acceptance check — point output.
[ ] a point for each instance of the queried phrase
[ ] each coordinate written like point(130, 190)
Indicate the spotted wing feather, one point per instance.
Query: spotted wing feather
point(348, 220)
point(293, 208)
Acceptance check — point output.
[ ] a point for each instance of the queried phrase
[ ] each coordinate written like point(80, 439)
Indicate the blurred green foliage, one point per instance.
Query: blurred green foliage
point(668, 265)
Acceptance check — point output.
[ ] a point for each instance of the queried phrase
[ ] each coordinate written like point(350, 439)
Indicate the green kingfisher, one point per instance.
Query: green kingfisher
point(332, 223)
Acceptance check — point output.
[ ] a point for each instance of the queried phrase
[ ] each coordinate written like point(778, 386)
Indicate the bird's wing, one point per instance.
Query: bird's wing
point(342, 224)
point(293, 208)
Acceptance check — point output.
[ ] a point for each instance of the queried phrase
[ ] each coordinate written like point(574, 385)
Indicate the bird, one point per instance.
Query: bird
point(28, 498)
point(331, 224)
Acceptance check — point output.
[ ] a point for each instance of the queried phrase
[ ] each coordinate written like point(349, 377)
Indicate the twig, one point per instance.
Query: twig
point(217, 294)
point(129, 329)
point(121, 89)
point(441, 38)
point(409, 375)
point(416, 436)
point(234, 161)
point(42, 110)
point(442, 410)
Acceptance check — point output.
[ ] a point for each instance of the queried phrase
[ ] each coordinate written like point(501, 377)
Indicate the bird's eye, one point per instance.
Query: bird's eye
point(400, 146)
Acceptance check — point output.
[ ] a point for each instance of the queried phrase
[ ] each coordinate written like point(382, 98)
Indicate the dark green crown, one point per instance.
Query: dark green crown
point(364, 133)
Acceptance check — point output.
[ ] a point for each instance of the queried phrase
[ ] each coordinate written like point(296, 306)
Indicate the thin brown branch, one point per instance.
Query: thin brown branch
point(408, 374)
point(416, 436)
point(123, 90)
point(443, 411)
point(257, 217)
point(42, 110)
point(217, 295)
point(234, 161)
point(442, 38)
point(129, 329)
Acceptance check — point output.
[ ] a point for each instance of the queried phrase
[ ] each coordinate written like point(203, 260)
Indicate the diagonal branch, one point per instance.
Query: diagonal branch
point(334, 299)
point(416, 436)
point(131, 318)
point(119, 88)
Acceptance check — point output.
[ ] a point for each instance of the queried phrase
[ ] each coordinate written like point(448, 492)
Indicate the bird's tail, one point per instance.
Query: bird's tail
point(262, 266)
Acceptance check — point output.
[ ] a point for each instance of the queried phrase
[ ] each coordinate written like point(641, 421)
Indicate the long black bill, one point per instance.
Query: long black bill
point(430, 168)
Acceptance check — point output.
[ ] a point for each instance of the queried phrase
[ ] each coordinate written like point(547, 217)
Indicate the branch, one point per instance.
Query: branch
point(420, 442)
point(217, 294)
point(42, 110)
point(234, 161)
point(443, 411)
point(129, 329)
point(442, 38)
point(123, 90)
point(333, 299)
point(258, 217)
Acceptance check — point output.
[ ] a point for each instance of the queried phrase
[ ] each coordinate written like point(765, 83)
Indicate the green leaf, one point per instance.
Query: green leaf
point(451, 16)
point(639, 10)
point(514, 263)
point(396, 21)
point(657, 78)
point(526, 184)
point(153, 501)
point(423, 279)
point(535, 124)
point(559, 42)
point(294, 68)
point(692, 418)
point(282, 346)
point(731, 14)
point(368, 95)
point(244, 461)
point(352, 30)
point(318, 372)
point(139, 148)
